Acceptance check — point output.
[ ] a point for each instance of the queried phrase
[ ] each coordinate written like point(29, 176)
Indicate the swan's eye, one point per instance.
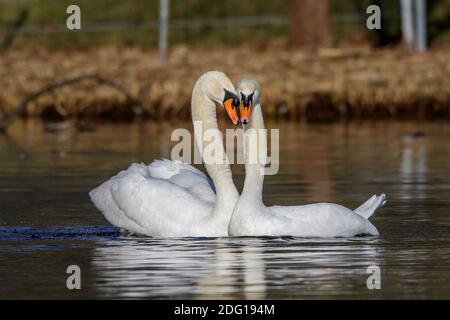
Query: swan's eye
point(246, 108)
point(243, 99)
point(229, 95)
point(236, 102)
point(230, 102)
point(247, 100)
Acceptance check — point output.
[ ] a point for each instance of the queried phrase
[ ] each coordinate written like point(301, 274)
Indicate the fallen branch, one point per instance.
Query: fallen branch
point(21, 108)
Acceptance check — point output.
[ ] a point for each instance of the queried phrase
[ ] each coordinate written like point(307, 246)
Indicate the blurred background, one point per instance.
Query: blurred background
point(194, 22)
point(317, 60)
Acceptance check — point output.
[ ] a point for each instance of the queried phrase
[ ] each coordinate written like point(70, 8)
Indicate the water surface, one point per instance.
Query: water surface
point(48, 223)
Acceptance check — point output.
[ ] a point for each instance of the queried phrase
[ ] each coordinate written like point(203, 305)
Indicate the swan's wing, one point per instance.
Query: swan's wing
point(137, 201)
point(185, 176)
point(309, 211)
point(323, 219)
point(366, 210)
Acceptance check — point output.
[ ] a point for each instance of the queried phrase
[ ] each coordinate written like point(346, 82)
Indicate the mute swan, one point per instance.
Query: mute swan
point(171, 198)
point(252, 218)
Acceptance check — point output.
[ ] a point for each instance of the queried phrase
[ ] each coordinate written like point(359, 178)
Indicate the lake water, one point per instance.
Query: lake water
point(48, 223)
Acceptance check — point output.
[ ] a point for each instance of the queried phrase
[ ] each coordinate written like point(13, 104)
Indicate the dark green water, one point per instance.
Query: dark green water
point(48, 223)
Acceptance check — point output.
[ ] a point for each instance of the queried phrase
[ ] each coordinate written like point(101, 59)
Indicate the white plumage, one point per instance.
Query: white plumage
point(252, 218)
point(161, 199)
point(311, 220)
point(172, 198)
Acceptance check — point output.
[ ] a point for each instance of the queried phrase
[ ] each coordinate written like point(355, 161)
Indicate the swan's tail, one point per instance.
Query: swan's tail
point(368, 208)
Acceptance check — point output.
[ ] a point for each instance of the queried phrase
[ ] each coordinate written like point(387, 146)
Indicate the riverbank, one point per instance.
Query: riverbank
point(329, 85)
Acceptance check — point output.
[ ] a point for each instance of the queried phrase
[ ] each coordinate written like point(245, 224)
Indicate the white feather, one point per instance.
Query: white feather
point(252, 218)
point(172, 198)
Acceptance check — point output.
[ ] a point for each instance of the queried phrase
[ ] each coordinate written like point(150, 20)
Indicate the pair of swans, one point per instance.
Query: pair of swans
point(173, 199)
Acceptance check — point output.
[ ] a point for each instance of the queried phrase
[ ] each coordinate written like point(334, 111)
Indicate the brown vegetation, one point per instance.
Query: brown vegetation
point(329, 85)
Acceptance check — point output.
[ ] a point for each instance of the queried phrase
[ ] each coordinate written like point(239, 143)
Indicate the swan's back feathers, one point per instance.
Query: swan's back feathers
point(318, 220)
point(185, 176)
point(163, 198)
point(368, 208)
point(103, 200)
point(165, 169)
point(324, 220)
point(156, 204)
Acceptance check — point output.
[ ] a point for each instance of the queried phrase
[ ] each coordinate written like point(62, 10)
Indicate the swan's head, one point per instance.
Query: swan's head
point(248, 90)
point(220, 89)
point(231, 104)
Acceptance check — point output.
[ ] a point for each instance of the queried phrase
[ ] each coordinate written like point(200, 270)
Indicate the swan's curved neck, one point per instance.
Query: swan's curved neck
point(255, 153)
point(204, 118)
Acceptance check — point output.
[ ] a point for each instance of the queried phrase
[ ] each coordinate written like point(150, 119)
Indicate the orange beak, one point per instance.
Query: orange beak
point(231, 110)
point(246, 111)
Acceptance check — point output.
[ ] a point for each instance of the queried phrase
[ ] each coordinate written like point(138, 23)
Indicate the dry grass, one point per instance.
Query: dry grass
point(331, 84)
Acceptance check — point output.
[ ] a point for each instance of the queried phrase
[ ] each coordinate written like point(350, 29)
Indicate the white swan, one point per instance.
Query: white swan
point(252, 218)
point(171, 198)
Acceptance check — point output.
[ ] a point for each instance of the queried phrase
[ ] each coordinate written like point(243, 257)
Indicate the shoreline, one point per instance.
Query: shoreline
point(326, 86)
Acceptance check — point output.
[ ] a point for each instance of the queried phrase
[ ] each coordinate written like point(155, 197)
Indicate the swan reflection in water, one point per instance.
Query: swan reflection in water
point(413, 170)
point(234, 268)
